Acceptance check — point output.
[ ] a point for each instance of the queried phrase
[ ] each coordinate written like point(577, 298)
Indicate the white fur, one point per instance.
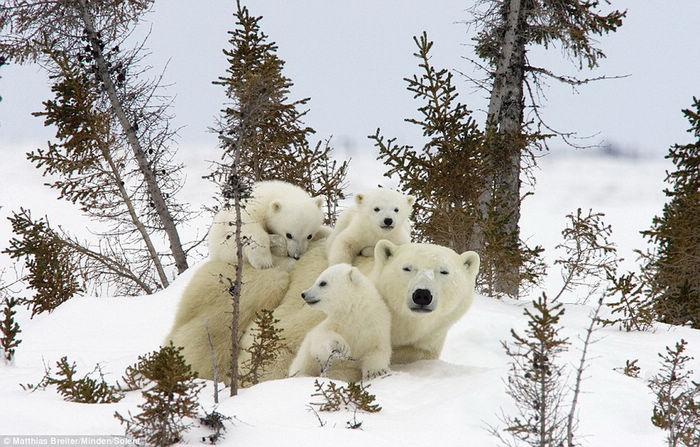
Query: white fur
point(357, 324)
point(275, 211)
point(377, 214)
point(415, 334)
point(427, 289)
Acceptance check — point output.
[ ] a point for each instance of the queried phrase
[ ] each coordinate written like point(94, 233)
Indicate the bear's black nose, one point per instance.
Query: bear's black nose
point(303, 295)
point(388, 221)
point(422, 297)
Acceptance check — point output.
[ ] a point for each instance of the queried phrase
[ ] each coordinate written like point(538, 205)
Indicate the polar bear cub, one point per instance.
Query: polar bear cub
point(357, 324)
point(377, 214)
point(277, 214)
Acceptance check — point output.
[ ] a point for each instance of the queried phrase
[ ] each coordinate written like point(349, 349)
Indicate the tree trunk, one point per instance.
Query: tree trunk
point(135, 218)
point(154, 191)
point(236, 295)
point(500, 200)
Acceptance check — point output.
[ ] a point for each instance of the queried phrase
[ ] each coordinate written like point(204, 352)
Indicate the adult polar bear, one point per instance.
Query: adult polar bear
point(427, 288)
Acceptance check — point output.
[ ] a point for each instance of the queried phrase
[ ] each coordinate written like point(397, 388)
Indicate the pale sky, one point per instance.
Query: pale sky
point(351, 57)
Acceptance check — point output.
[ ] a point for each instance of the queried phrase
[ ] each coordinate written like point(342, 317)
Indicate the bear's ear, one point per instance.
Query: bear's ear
point(411, 200)
point(471, 261)
point(359, 198)
point(354, 274)
point(275, 206)
point(318, 200)
point(383, 251)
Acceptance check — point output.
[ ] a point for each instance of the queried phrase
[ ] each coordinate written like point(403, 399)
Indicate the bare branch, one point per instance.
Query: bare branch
point(571, 417)
point(571, 80)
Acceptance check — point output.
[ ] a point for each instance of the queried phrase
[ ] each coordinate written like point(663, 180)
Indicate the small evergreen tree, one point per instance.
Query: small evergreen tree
point(266, 346)
point(352, 397)
point(535, 382)
point(170, 394)
point(9, 328)
point(262, 137)
point(441, 173)
point(677, 407)
point(631, 369)
point(633, 307)
point(445, 174)
point(87, 389)
point(263, 132)
point(50, 263)
point(673, 267)
point(589, 258)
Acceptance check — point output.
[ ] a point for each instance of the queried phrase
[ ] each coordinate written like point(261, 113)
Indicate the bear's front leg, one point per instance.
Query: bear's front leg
point(376, 364)
point(257, 246)
point(304, 364)
point(326, 346)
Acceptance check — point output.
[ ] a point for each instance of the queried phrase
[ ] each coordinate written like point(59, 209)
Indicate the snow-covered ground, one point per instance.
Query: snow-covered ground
point(446, 402)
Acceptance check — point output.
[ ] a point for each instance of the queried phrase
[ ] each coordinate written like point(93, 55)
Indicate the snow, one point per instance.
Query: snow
point(448, 402)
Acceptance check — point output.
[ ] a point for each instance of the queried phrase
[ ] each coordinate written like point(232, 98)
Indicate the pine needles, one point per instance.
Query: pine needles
point(9, 328)
point(86, 389)
point(353, 397)
point(677, 406)
point(267, 344)
point(170, 395)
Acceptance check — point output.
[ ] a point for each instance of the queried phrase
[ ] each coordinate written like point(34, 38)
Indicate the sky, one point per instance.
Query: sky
point(350, 58)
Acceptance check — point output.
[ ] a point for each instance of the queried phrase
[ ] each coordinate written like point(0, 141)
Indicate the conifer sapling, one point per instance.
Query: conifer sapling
point(267, 344)
point(9, 328)
point(677, 407)
point(170, 397)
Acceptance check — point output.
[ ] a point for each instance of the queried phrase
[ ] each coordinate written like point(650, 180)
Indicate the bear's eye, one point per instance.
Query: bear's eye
point(322, 284)
point(309, 236)
point(406, 268)
point(376, 209)
point(444, 272)
point(396, 210)
point(289, 235)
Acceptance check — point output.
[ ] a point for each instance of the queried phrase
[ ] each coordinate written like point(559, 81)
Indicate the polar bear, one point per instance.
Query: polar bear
point(357, 324)
point(276, 213)
point(205, 311)
point(426, 287)
point(377, 214)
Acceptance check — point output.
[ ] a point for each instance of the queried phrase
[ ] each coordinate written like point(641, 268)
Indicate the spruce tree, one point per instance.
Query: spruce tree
point(446, 175)
point(112, 154)
point(170, 395)
point(262, 137)
point(536, 382)
point(506, 31)
point(589, 257)
point(261, 129)
point(50, 263)
point(9, 329)
point(673, 267)
point(266, 345)
point(677, 406)
point(442, 173)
